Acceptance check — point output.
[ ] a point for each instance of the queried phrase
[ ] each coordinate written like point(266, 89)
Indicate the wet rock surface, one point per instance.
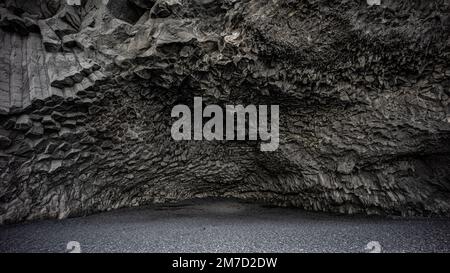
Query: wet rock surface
point(86, 93)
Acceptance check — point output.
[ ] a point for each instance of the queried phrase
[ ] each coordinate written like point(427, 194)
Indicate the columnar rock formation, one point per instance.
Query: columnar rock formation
point(86, 94)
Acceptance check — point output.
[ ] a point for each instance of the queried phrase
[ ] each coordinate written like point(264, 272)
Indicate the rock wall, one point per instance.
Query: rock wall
point(86, 94)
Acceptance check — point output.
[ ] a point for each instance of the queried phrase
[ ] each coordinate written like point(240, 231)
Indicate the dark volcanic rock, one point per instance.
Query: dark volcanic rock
point(125, 10)
point(363, 91)
point(145, 4)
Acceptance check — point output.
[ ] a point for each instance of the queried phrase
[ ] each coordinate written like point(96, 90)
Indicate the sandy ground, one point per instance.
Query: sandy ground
point(226, 226)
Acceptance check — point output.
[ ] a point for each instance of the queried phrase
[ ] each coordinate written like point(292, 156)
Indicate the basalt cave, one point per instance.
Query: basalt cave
point(87, 89)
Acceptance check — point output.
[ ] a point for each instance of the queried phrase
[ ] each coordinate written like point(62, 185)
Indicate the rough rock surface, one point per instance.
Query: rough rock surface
point(86, 93)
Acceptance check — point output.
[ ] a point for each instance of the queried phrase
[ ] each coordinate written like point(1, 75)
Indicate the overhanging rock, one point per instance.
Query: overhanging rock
point(86, 94)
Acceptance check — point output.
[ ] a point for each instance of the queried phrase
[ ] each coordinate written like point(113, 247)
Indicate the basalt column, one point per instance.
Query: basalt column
point(86, 94)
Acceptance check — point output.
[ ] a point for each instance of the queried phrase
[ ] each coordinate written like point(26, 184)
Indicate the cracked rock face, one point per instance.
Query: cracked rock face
point(86, 94)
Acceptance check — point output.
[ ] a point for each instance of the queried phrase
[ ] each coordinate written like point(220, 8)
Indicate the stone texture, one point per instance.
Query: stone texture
point(363, 91)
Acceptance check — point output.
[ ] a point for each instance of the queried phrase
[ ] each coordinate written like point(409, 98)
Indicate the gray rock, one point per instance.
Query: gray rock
point(145, 4)
point(36, 130)
point(362, 90)
point(125, 10)
point(4, 142)
point(23, 123)
point(39, 8)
